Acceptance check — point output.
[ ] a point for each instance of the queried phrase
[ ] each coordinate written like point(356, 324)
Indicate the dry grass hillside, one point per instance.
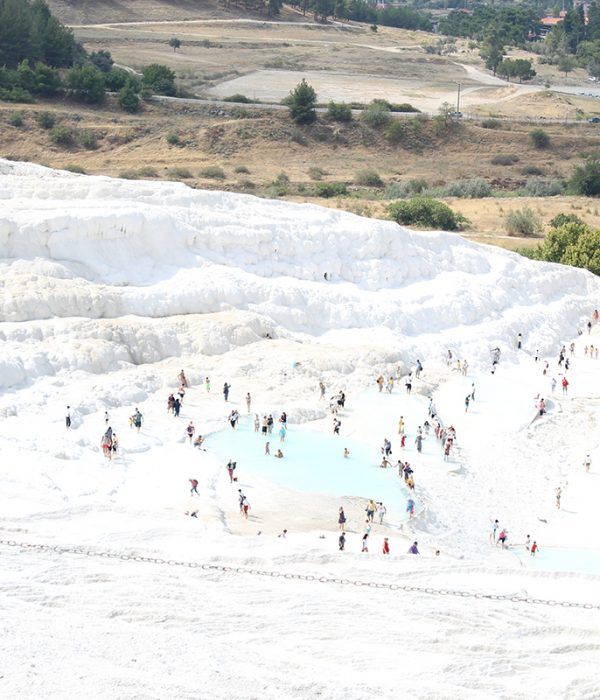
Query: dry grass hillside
point(99, 11)
point(264, 153)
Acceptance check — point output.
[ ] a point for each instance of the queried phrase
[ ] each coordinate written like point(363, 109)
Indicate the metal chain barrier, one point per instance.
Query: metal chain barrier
point(123, 556)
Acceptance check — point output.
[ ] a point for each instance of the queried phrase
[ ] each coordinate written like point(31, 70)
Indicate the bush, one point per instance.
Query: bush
point(128, 99)
point(468, 189)
point(88, 140)
point(118, 78)
point(102, 60)
point(401, 190)
point(129, 174)
point(46, 120)
point(173, 139)
point(316, 173)
point(523, 222)
point(148, 171)
point(213, 172)
point(395, 132)
point(531, 170)
point(538, 187)
point(368, 178)
point(61, 135)
point(87, 83)
point(331, 189)
point(159, 79)
point(504, 160)
point(16, 119)
point(376, 115)
point(426, 212)
point(73, 168)
point(279, 186)
point(403, 107)
point(491, 124)
point(246, 185)
point(241, 169)
point(585, 179)
point(303, 99)
point(178, 173)
point(539, 138)
point(238, 98)
point(339, 111)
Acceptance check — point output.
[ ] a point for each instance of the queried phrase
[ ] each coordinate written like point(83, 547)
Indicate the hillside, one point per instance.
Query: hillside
point(100, 11)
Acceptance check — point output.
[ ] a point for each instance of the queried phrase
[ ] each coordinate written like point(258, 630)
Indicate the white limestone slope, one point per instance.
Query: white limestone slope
point(109, 287)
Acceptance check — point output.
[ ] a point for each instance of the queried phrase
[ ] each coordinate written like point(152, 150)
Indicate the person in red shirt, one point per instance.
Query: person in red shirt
point(534, 549)
point(194, 489)
point(565, 384)
point(386, 546)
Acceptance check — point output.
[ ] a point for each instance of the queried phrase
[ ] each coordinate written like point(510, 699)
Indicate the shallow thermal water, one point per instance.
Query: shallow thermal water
point(313, 462)
point(584, 561)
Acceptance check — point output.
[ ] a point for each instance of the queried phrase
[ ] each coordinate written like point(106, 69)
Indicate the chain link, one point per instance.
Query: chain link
point(224, 568)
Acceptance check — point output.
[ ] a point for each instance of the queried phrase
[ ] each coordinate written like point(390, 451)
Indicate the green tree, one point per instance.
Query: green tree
point(87, 83)
point(492, 52)
point(102, 60)
point(566, 64)
point(559, 239)
point(47, 80)
point(523, 69)
point(302, 102)
point(159, 79)
point(175, 43)
point(585, 252)
point(274, 6)
point(128, 98)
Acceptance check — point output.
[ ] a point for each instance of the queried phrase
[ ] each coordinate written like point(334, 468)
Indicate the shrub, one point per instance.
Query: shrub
point(61, 135)
point(298, 137)
point(400, 190)
point(368, 178)
point(395, 132)
point(16, 94)
point(376, 115)
point(523, 222)
point(504, 160)
point(562, 219)
point(16, 119)
point(339, 111)
point(129, 174)
point(102, 60)
point(173, 139)
point(585, 179)
point(238, 98)
point(539, 138)
point(531, 170)
point(246, 185)
point(303, 99)
point(426, 212)
point(279, 186)
point(179, 173)
point(538, 187)
point(403, 107)
point(87, 83)
point(88, 140)
point(128, 99)
point(46, 120)
point(316, 173)
point(241, 169)
point(213, 172)
point(118, 78)
point(468, 189)
point(73, 168)
point(159, 79)
point(331, 189)
point(491, 124)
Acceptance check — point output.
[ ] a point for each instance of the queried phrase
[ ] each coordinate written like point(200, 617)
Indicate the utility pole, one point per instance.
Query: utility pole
point(458, 98)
